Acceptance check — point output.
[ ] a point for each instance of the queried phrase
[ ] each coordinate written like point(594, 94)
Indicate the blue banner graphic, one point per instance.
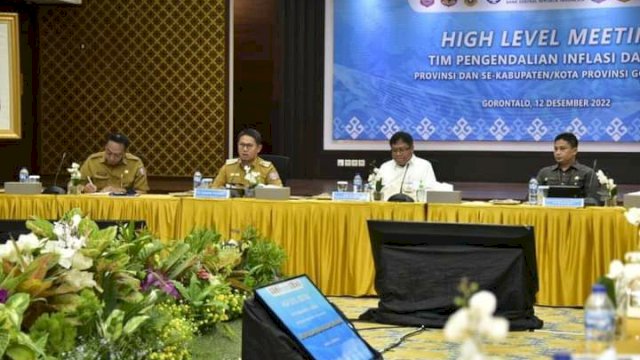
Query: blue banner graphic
point(486, 70)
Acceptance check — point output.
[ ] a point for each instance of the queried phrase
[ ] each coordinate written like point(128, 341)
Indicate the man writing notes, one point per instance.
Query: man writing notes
point(405, 172)
point(234, 171)
point(114, 169)
point(567, 170)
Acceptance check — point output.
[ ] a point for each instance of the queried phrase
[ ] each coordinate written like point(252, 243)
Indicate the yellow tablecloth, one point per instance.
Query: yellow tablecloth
point(20, 207)
point(573, 246)
point(326, 240)
point(329, 240)
point(159, 211)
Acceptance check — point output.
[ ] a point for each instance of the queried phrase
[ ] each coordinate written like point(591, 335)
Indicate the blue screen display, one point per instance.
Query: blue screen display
point(312, 320)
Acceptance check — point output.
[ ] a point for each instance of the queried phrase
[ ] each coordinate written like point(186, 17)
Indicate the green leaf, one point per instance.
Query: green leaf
point(18, 302)
point(176, 254)
point(134, 323)
point(4, 342)
point(610, 286)
point(20, 352)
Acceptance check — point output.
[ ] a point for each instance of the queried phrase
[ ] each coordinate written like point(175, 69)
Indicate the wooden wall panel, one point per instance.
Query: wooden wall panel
point(154, 70)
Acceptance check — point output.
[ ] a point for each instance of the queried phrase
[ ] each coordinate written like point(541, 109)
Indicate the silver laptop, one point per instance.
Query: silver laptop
point(268, 193)
point(14, 187)
point(454, 197)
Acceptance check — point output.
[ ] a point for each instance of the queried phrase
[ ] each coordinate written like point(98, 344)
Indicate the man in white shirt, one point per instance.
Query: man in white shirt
point(405, 172)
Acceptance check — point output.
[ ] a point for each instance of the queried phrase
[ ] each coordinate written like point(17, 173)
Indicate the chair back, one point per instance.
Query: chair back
point(281, 164)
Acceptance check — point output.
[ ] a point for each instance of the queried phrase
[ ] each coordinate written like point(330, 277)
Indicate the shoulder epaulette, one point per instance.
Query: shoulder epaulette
point(265, 163)
point(131, 157)
point(231, 161)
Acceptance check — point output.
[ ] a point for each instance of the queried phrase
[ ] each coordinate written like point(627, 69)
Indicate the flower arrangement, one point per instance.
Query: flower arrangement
point(474, 321)
point(375, 178)
point(74, 173)
point(622, 275)
point(253, 177)
point(608, 185)
point(70, 290)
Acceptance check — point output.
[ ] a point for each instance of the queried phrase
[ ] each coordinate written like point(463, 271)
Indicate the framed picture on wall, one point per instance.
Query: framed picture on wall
point(9, 77)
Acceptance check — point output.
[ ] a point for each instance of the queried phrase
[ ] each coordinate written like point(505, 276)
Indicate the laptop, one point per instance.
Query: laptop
point(444, 197)
point(565, 191)
point(273, 193)
point(15, 187)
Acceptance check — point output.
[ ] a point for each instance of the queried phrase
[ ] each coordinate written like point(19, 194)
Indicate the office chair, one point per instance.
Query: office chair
point(281, 164)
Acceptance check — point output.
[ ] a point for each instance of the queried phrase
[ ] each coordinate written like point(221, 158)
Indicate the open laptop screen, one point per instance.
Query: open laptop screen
point(309, 317)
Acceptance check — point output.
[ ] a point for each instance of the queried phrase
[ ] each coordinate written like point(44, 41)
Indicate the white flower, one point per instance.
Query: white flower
point(631, 271)
point(58, 247)
point(457, 325)
point(633, 216)
point(28, 243)
point(495, 328)
point(253, 177)
point(483, 302)
point(75, 221)
point(79, 279)
point(74, 171)
point(469, 351)
point(616, 269)
point(602, 178)
point(81, 262)
point(8, 251)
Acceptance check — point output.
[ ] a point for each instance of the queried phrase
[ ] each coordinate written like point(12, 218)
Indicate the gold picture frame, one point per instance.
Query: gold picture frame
point(9, 77)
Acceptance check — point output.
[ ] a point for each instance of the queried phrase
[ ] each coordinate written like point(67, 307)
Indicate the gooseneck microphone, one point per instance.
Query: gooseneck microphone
point(401, 197)
point(55, 189)
point(403, 176)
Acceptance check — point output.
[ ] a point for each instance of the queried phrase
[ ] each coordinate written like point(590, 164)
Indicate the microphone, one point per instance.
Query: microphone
point(588, 199)
point(55, 189)
point(401, 197)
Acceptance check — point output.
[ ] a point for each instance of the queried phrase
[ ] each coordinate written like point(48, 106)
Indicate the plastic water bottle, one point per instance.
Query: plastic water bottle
point(599, 321)
point(357, 183)
point(24, 175)
point(421, 192)
point(197, 179)
point(533, 191)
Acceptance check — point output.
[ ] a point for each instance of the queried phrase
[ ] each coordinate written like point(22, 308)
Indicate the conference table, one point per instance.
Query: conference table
point(329, 240)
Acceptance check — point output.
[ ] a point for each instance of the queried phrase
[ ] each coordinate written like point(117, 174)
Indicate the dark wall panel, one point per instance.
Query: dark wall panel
point(15, 154)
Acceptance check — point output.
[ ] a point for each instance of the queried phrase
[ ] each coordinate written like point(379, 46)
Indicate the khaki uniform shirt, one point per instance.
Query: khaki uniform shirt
point(233, 173)
point(129, 173)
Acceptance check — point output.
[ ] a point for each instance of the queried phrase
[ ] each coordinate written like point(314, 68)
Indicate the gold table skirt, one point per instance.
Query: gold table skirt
point(573, 246)
point(329, 240)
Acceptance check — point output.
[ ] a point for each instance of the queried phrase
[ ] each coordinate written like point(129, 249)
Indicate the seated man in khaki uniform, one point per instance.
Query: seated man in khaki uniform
point(114, 169)
point(234, 171)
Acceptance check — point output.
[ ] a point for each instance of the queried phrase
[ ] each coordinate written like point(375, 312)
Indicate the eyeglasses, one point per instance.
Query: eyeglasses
point(245, 145)
point(400, 150)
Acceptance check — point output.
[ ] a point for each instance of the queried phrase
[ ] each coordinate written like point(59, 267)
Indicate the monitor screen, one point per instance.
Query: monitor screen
point(419, 266)
point(309, 317)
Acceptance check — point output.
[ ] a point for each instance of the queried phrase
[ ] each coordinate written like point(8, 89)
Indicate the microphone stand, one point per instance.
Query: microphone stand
point(55, 189)
point(402, 197)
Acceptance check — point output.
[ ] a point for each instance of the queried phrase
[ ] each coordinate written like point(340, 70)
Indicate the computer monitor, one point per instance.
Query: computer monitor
point(419, 266)
point(312, 321)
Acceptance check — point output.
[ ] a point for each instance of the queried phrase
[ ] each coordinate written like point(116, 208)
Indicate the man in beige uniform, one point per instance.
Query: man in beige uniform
point(234, 171)
point(114, 169)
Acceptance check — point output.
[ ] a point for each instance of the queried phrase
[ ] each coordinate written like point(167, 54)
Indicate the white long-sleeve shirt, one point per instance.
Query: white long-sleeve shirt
point(416, 170)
